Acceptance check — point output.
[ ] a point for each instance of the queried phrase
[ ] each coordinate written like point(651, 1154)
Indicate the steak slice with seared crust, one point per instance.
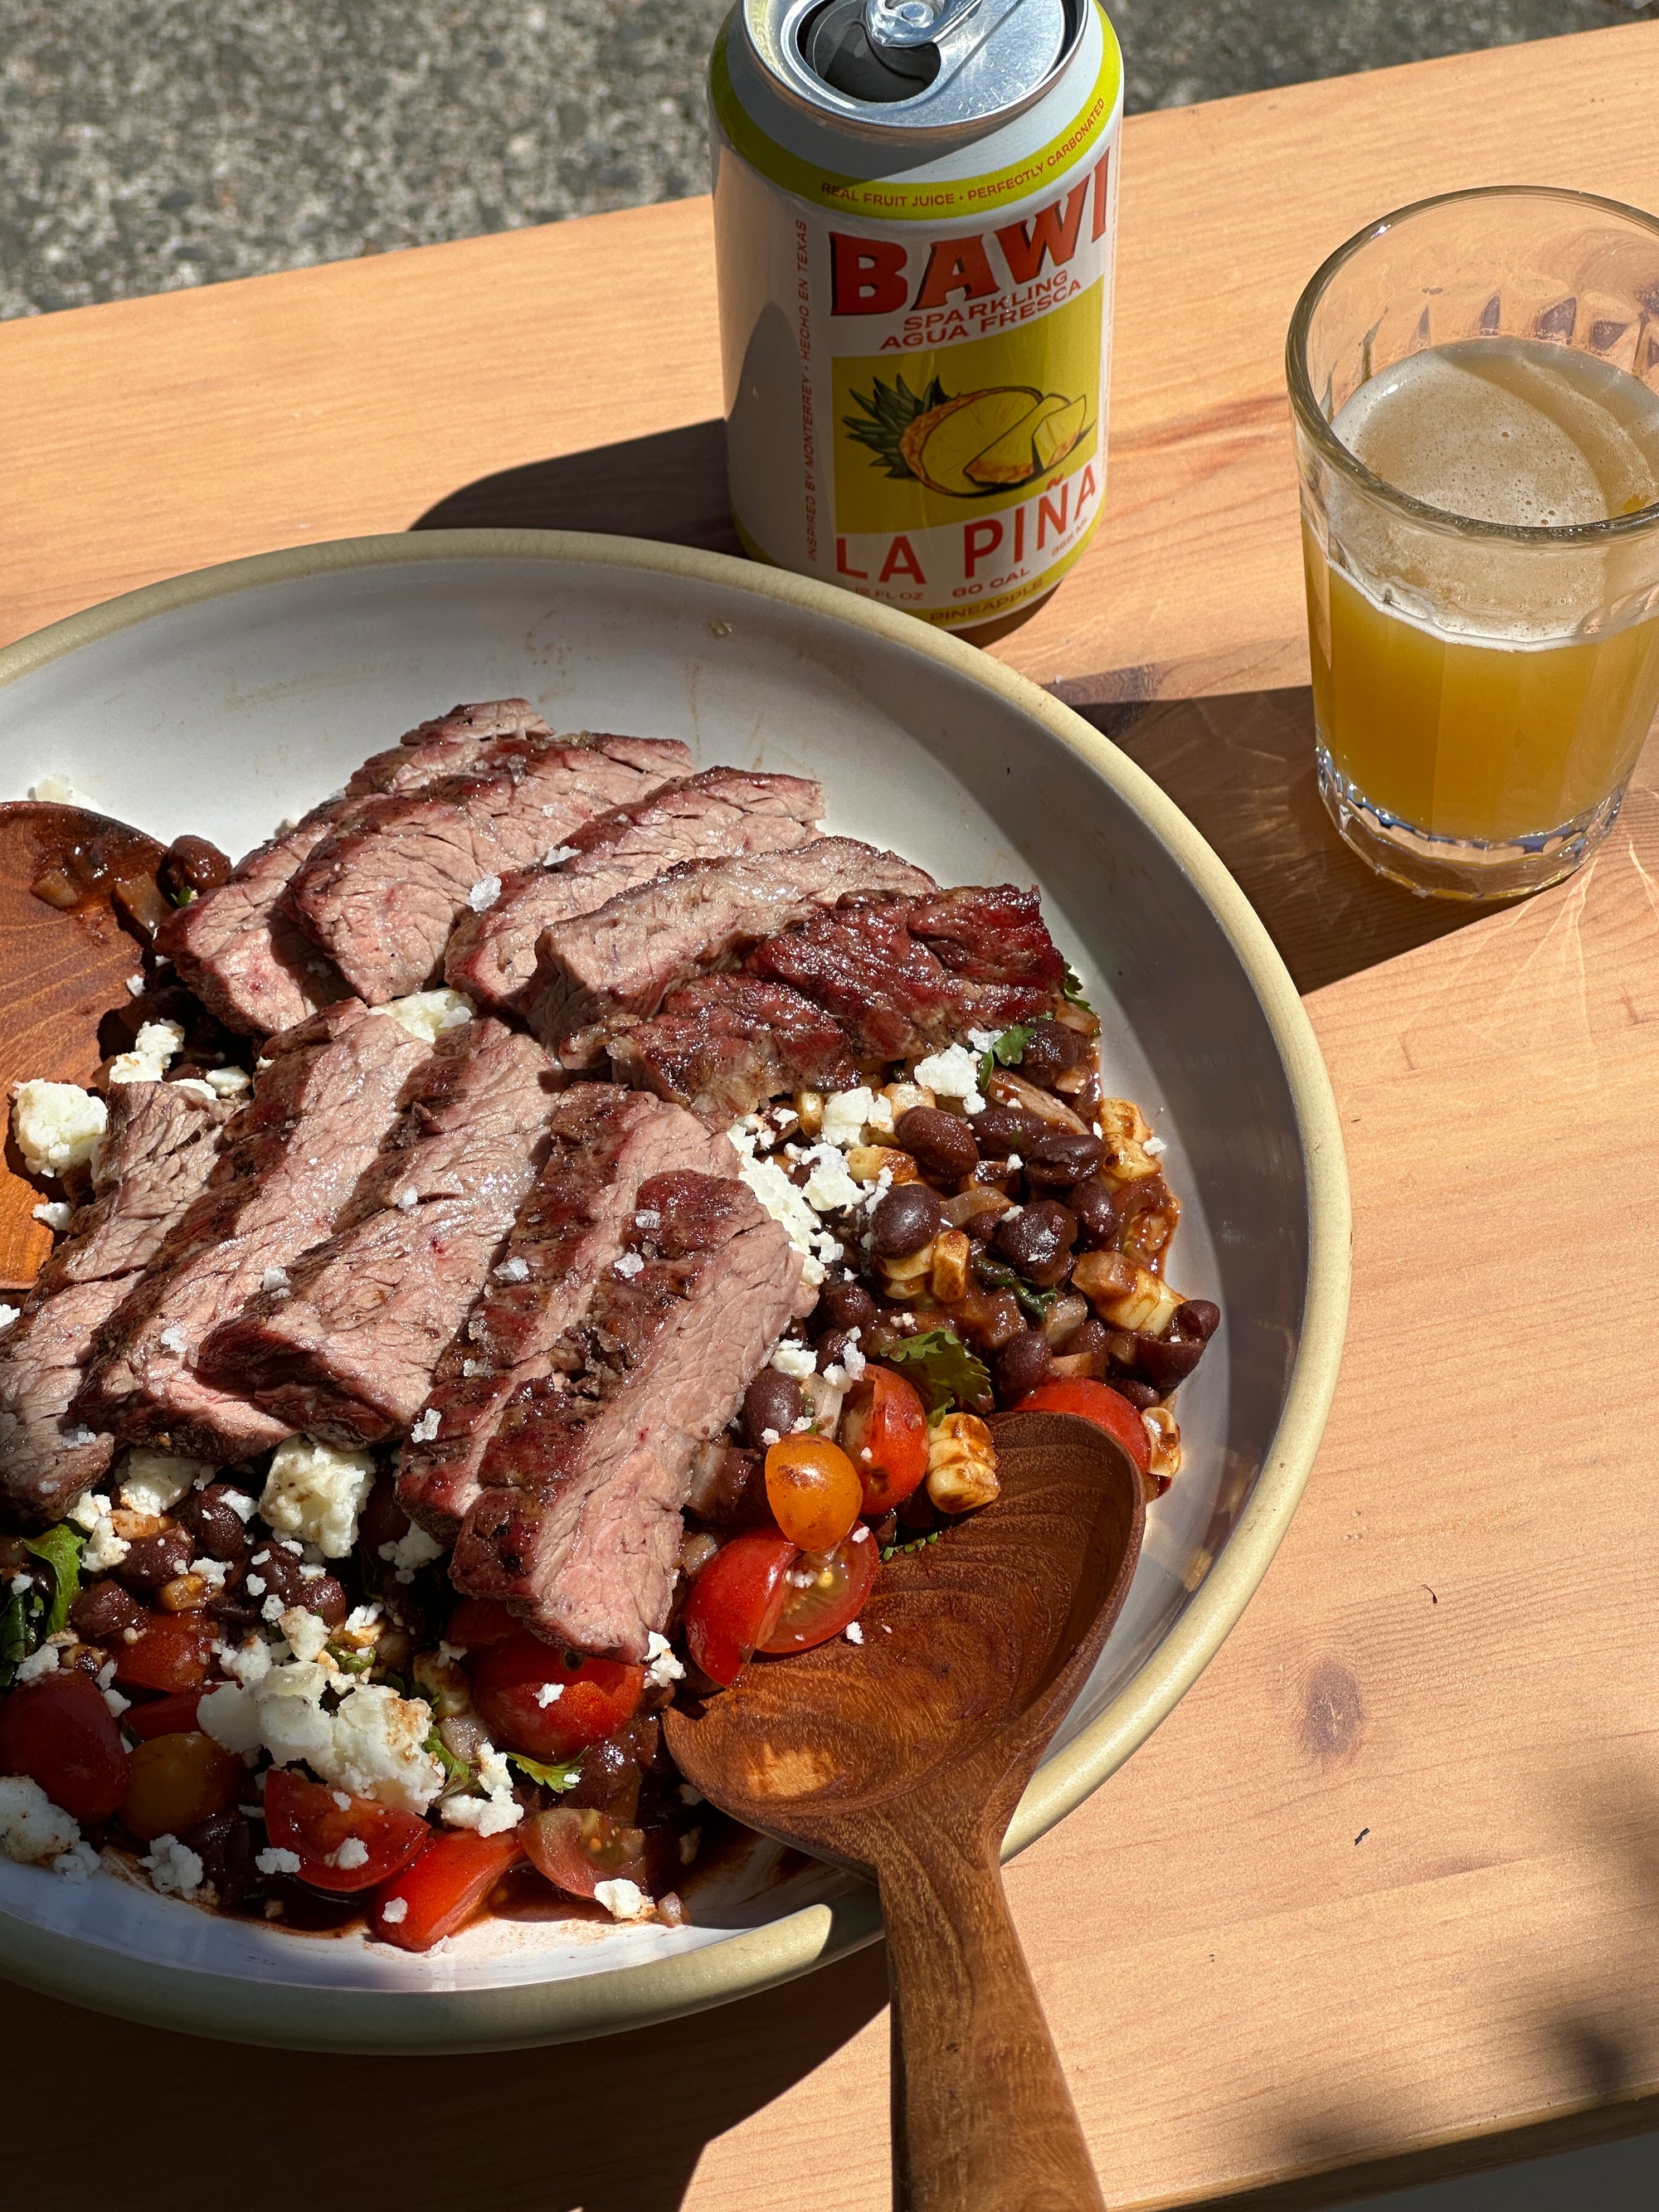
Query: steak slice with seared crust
point(578, 1527)
point(604, 1143)
point(344, 1349)
point(156, 1153)
point(382, 893)
point(624, 957)
point(724, 1044)
point(289, 1163)
point(872, 967)
point(492, 956)
point(236, 948)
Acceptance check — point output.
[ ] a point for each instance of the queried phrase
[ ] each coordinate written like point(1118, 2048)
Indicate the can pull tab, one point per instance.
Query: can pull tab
point(913, 22)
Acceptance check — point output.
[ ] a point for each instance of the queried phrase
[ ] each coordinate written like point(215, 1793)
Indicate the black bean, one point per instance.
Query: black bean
point(218, 1528)
point(1140, 1395)
point(908, 1216)
point(845, 1305)
point(1095, 1204)
point(1001, 1130)
point(1060, 1157)
point(1036, 1241)
point(153, 1560)
point(225, 1844)
point(1050, 1050)
point(1023, 1363)
point(284, 1579)
point(941, 1146)
point(832, 1347)
point(771, 1401)
point(192, 864)
point(607, 1781)
point(1164, 1361)
point(1089, 1339)
point(885, 1531)
point(1197, 1317)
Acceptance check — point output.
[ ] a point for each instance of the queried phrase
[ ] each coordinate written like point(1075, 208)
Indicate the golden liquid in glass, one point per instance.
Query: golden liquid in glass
point(1502, 695)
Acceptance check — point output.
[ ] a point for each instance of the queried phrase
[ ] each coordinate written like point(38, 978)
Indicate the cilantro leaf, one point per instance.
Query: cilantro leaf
point(17, 1633)
point(1073, 988)
point(60, 1547)
point(1005, 1051)
point(551, 1777)
point(946, 1370)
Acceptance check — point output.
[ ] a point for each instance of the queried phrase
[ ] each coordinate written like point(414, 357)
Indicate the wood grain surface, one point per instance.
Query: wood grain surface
point(1385, 1885)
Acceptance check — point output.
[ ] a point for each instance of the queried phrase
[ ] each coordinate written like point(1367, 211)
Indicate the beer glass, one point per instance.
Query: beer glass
point(1480, 531)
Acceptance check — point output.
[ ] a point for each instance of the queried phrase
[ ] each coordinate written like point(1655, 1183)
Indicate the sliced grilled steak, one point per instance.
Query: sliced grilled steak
point(156, 1154)
point(578, 1527)
point(289, 1163)
point(623, 957)
point(492, 956)
point(382, 895)
point(724, 1044)
point(604, 1143)
point(345, 1348)
point(240, 953)
point(871, 967)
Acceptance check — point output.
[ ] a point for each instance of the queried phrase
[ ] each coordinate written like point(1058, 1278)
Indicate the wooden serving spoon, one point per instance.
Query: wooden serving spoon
point(904, 1758)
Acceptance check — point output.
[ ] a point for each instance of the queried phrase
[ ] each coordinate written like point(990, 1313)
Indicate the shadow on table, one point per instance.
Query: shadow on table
point(615, 2125)
point(670, 487)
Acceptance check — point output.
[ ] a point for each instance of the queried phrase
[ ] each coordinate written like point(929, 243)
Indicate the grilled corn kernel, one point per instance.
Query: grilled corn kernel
point(809, 1109)
point(1165, 1432)
point(442, 1684)
point(901, 1096)
point(950, 1269)
point(1148, 1307)
point(904, 1276)
point(184, 1593)
point(865, 1161)
point(1102, 1275)
point(1123, 1134)
point(135, 1527)
point(962, 1464)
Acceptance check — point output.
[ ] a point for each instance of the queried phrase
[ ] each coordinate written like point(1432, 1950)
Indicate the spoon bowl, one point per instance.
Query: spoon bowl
point(903, 1756)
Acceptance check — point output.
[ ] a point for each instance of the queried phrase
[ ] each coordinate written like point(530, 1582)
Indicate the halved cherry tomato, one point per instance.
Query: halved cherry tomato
point(815, 1611)
point(307, 1818)
point(174, 1715)
point(577, 1850)
point(174, 1782)
point(60, 1732)
point(172, 1653)
point(1099, 1403)
point(735, 1601)
point(441, 1890)
point(535, 1698)
point(883, 1431)
point(477, 1622)
point(813, 1490)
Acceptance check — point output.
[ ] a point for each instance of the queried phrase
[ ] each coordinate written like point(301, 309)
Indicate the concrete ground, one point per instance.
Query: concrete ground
point(149, 144)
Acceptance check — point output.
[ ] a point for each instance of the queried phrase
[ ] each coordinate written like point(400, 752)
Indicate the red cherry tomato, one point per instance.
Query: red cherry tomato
point(884, 1432)
point(441, 1890)
point(174, 1715)
point(477, 1622)
point(577, 1850)
point(174, 1652)
point(175, 1781)
point(534, 1697)
point(1099, 1403)
point(812, 1488)
point(735, 1602)
point(60, 1732)
point(307, 1818)
point(816, 1611)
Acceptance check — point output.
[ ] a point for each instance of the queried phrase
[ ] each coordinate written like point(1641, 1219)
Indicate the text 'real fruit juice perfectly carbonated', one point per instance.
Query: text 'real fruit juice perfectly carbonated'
point(915, 206)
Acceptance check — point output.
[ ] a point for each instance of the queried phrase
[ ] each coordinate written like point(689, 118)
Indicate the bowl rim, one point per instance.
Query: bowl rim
point(242, 2010)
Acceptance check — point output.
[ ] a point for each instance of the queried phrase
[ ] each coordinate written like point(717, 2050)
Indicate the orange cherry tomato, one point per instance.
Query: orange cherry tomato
point(817, 1609)
point(735, 1601)
point(172, 1652)
point(174, 1782)
point(577, 1850)
point(357, 1845)
point(538, 1699)
point(1099, 1403)
point(813, 1490)
point(883, 1431)
point(60, 1732)
point(441, 1890)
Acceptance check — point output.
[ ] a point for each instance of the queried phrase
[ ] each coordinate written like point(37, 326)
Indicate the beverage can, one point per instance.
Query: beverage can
point(915, 209)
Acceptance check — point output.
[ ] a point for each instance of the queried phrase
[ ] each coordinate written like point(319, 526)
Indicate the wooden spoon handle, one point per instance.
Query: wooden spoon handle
point(983, 2120)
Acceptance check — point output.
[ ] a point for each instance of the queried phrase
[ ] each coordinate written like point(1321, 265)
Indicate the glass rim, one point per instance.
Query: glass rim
point(1311, 418)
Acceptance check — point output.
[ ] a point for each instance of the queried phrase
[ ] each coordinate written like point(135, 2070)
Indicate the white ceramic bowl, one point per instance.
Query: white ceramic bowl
point(222, 701)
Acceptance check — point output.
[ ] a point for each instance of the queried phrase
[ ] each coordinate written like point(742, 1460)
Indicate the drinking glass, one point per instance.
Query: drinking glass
point(1481, 689)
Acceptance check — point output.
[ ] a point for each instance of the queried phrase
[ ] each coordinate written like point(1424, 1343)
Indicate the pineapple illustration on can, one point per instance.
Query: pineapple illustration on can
point(915, 206)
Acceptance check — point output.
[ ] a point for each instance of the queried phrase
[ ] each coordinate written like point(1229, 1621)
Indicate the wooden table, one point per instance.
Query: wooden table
point(1394, 1861)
